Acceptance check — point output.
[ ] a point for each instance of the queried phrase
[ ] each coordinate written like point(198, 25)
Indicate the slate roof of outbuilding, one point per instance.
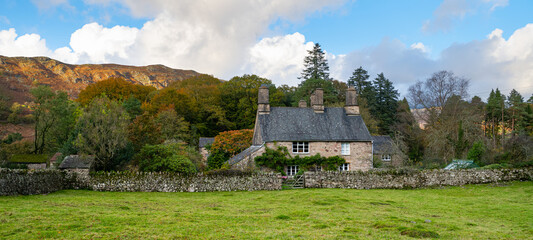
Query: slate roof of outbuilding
point(382, 143)
point(205, 141)
point(237, 158)
point(76, 162)
point(303, 124)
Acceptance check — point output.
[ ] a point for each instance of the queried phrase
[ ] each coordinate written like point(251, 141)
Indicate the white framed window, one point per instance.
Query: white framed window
point(344, 167)
point(385, 158)
point(300, 147)
point(292, 170)
point(345, 148)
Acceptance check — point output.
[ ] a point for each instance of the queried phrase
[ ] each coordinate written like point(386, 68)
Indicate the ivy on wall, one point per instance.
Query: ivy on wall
point(277, 159)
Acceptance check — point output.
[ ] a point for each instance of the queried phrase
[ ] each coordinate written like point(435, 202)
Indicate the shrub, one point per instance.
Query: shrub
point(496, 166)
point(217, 159)
point(476, 152)
point(12, 137)
point(377, 162)
point(164, 158)
point(20, 147)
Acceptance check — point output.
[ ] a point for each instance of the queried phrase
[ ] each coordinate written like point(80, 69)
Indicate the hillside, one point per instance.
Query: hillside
point(18, 74)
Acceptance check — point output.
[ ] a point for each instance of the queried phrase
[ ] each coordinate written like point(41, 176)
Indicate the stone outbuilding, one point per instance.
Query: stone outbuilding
point(306, 131)
point(385, 151)
point(78, 163)
point(202, 143)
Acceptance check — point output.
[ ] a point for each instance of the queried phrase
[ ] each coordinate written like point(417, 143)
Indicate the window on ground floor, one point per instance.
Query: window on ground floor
point(300, 147)
point(345, 148)
point(385, 157)
point(292, 170)
point(344, 167)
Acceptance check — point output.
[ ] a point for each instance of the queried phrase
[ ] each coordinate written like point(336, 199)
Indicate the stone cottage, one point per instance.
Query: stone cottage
point(306, 131)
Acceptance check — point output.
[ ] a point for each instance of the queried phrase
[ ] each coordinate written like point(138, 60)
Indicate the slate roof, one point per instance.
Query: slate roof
point(303, 124)
point(237, 158)
point(205, 141)
point(382, 143)
point(461, 164)
point(76, 162)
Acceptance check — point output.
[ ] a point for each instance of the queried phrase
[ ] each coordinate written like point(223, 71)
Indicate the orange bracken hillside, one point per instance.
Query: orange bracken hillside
point(17, 74)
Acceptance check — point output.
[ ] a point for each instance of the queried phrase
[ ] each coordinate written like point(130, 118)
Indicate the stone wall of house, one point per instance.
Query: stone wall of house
point(360, 157)
point(400, 179)
point(203, 151)
point(396, 161)
point(36, 165)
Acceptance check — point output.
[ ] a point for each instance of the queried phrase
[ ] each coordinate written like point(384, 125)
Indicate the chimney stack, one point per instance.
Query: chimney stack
point(302, 104)
point(263, 106)
point(317, 100)
point(351, 107)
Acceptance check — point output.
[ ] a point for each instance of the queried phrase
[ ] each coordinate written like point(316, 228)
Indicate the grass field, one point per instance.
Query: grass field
point(470, 212)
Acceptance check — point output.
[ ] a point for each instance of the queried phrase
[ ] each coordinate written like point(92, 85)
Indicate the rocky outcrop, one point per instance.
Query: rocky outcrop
point(19, 74)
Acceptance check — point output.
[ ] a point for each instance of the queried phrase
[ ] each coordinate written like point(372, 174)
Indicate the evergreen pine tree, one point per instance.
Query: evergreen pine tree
point(315, 65)
point(359, 80)
point(384, 104)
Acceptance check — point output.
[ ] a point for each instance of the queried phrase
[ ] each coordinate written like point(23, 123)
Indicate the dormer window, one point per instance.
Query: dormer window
point(300, 147)
point(385, 158)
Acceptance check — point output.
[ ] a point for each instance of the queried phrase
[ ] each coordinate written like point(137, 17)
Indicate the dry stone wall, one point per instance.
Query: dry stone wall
point(171, 182)
point(25, 182)
point(401, 179)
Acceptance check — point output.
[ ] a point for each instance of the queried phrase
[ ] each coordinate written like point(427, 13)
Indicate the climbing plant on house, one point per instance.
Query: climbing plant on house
point(277, 159)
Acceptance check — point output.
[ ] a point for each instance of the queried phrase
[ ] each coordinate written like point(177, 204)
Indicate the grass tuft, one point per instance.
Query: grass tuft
point(283, 217)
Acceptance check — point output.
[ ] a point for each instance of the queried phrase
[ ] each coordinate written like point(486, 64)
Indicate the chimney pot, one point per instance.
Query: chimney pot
point(302, 104)
point(351, 107)
point(317, 100)
point(263, 105)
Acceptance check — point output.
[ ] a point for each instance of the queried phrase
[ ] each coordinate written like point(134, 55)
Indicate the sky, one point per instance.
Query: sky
point(489, 42)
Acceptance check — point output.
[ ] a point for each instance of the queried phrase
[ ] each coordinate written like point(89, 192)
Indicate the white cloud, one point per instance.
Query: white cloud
point(209, 36)
point(279, 58)
point(420, 46)
point(97, 44)
point(490, 63)
point(451, 11)
point(26, 45)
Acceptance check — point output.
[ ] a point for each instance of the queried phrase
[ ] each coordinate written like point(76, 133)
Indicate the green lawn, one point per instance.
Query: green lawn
point(470, 212)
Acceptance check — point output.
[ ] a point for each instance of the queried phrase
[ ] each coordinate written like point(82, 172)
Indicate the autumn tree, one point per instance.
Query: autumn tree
point(172, 126)
point(114, 88)
point(144, 130)
point(103, 132)
point(54, 118)
point(228, 144)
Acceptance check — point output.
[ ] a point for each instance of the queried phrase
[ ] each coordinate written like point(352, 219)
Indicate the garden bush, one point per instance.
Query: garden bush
point(165, 158)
